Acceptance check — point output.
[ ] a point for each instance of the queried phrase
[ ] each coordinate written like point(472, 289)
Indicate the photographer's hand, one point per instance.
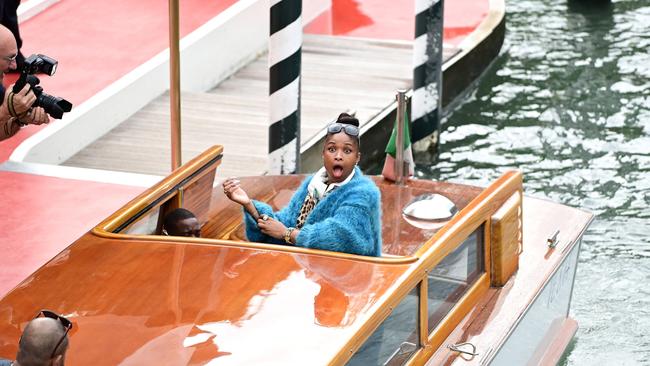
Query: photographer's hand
point(22, 101)
point(35, 116)
point(20, 113)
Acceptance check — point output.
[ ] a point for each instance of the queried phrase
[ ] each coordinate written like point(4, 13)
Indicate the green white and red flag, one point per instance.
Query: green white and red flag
point(391, 152)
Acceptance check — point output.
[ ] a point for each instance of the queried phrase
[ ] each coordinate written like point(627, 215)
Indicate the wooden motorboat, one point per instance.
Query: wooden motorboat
point(490, 286)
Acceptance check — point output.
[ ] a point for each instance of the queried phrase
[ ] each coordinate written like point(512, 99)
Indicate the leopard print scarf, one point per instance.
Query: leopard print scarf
point(316, 191)
point(307, 205)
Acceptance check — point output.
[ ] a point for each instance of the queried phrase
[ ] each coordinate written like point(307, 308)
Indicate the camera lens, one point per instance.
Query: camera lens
point(54, 106)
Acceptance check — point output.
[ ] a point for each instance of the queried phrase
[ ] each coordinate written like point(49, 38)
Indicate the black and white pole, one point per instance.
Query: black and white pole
point(285, 49)
point(426, 102)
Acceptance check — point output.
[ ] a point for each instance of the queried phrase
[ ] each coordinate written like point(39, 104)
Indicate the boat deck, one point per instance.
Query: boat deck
point(339, 74)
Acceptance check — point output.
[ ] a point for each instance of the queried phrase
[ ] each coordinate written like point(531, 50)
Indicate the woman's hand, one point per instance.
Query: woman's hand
point(235, 192)
point(271, 227)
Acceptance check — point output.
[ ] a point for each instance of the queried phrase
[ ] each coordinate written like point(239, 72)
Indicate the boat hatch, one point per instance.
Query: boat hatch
point(429, 211)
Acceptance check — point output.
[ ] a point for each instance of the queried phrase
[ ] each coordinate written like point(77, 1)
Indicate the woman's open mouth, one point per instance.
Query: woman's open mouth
point(337, 171)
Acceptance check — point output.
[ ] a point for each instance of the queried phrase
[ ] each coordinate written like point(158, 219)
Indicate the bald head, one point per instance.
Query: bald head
point(38, 342)
point(8, 50)
point(5, 34)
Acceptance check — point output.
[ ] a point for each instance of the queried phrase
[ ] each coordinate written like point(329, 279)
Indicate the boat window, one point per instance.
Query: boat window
point(454, 275)
point(197, 196)
point(145, 225)
point(396, 339)
point(193, 194)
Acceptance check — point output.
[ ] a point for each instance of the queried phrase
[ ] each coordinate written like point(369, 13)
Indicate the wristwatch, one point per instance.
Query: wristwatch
point(287, 235)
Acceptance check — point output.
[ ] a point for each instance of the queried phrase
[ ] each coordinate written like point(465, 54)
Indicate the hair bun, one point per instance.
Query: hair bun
point(347, 119)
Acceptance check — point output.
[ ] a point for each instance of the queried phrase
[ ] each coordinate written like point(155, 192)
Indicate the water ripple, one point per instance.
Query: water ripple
point(568, 103)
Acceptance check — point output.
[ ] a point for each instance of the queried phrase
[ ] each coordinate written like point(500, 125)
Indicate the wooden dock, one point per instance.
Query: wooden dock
point(338, 74)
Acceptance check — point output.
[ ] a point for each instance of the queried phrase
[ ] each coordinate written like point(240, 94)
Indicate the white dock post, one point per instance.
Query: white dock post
point(426, 103)
point(285, 53)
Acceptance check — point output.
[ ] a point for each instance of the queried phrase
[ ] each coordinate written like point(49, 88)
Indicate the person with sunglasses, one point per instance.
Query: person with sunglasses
point(44, 341)
point(16, 108)
point(336, 209)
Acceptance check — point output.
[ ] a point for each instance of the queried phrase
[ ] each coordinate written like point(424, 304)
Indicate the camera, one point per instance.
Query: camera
point(54, 106)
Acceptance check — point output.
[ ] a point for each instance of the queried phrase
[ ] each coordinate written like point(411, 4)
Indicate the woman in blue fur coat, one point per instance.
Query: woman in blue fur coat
point(336, 209)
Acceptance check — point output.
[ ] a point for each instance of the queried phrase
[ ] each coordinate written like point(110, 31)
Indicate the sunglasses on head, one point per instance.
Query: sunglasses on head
point(349, 129)
point(67, 325)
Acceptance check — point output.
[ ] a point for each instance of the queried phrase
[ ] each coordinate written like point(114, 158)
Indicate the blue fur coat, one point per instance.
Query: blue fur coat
point(347, 220)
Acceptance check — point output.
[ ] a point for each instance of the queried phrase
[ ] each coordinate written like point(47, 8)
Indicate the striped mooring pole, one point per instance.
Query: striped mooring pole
point(285, 53)
point(426, 102)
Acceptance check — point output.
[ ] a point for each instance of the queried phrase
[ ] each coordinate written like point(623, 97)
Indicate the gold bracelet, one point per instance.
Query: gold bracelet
point(287, 235)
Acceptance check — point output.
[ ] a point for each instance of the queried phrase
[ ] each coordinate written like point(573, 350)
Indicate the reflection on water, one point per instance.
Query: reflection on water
point(568, 103)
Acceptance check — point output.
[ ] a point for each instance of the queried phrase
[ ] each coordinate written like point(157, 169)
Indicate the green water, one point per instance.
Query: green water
point(568, 103)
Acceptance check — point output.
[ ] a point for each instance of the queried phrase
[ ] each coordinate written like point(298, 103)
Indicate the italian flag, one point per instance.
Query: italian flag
point(391, 152)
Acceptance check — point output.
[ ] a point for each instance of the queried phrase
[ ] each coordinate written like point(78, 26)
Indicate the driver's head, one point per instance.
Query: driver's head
point(181, 222)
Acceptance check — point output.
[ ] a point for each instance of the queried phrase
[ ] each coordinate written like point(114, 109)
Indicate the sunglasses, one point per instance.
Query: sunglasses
point(64, 322)
point(349, 129)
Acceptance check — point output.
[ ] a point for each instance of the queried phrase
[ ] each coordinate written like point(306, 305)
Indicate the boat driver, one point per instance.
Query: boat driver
point(181, 222)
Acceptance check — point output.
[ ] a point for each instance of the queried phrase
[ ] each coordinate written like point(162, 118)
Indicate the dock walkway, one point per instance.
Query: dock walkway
point(338, 74)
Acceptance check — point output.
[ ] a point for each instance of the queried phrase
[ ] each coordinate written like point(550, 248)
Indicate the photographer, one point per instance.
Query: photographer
point(16, 108)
